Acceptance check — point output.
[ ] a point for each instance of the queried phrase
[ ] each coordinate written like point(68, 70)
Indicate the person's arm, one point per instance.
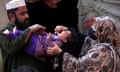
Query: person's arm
point(55, 50)
point(11, 46)
point(95, 60)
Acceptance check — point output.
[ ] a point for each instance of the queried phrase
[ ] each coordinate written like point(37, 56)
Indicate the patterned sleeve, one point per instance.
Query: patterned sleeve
point(100, 58)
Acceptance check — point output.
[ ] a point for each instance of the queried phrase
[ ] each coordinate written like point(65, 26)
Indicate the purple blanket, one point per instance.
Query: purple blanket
point(40, 44)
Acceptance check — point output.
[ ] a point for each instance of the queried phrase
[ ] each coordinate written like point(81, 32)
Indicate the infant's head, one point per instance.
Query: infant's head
point(60, 28)
point(64, 35)
point(62, 32)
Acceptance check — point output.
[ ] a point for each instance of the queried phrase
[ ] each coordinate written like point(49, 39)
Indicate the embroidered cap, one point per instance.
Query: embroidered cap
point(15, 4)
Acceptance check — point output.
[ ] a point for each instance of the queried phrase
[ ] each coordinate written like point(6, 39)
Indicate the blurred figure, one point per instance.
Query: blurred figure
point(13, 53)
point(51, 13)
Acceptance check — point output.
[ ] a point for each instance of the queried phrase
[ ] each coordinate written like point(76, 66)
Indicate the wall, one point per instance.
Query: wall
point(101, 7)
point(3, 16)
point(3, 22)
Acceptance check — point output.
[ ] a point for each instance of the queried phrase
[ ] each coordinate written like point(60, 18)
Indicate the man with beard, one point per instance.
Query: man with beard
point(13, 52)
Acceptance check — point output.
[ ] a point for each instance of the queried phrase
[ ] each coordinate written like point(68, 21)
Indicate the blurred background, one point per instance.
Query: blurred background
point(87, 9)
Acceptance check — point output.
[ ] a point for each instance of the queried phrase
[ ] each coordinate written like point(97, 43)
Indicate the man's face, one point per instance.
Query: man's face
point(22, 18)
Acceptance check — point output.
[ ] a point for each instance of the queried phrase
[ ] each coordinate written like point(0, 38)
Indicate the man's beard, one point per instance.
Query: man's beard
point(22, 26)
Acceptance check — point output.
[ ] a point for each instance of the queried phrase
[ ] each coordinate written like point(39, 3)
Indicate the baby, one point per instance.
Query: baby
point(40, 42)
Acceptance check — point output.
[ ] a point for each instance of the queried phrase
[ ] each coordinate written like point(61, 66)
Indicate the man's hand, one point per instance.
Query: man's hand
point(54, 50)
point(37, 28)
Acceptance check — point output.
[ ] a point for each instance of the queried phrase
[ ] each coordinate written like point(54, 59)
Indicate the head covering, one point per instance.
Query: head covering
point(105, 31)
point(15, 4)
point(103, 18)
point(103, 21)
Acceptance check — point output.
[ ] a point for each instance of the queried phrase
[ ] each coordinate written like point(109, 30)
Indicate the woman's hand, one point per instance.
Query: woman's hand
point(54, 50)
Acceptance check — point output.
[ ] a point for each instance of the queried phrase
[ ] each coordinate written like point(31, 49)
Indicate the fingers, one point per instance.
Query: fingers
point(50, 51)
point(55, 45)
point(54, 50)
point(36, 28)
point(49, 36)
point(43, 27)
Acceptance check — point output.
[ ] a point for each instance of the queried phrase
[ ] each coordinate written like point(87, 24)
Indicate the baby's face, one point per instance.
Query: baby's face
point(64, 35)
point(60, 28)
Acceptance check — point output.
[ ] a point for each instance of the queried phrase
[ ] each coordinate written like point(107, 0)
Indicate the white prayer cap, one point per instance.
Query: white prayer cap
point(15, 4)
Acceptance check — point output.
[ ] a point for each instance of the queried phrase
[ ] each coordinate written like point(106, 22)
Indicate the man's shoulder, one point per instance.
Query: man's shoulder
point(9, 27)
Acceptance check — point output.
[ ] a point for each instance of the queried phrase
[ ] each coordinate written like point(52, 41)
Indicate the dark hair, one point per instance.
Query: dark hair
point(74, 43)
point(12, 11)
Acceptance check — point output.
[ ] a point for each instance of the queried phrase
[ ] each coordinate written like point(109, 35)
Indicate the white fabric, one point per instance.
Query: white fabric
point(101, 18)
point(15, 4)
